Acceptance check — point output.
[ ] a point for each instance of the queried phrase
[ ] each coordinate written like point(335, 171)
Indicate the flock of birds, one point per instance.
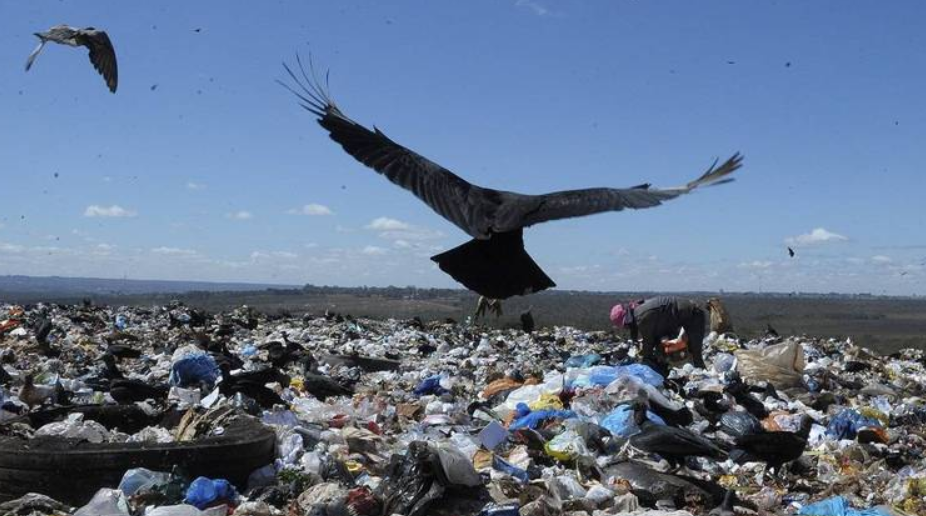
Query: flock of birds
point(494, 262)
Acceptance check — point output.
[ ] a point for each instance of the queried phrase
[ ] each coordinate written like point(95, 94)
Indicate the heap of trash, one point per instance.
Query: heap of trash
point(169, 411)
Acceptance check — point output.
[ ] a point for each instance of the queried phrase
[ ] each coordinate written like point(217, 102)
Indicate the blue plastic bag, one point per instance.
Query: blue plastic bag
point(620, 421)
point(604, 375)
point(193, 369)
point(583, 361)
point(532, 419)
point(847, 424)
point(504, 466)
point(204, 492)
point(430, 385)
point(839, 506)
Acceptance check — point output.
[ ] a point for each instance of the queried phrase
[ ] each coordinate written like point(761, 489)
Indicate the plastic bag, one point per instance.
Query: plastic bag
point(839, 506)
point(533, 419)
point(204, 492)
point(193, 369)
point(139, 480)
point(106, 502)
point(781, 364)
point(566, 446)
point(620, 421)
point(430, 385)
point(604, 375)
point(847, 424)
point(738, 424)
point(74, 427)
point(506, 467)
point(457, 467)
point(583, 361)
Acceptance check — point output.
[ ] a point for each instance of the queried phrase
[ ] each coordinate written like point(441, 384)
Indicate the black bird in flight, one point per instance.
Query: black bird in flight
point(494, 263)
point(791, 252)
point(102, 54)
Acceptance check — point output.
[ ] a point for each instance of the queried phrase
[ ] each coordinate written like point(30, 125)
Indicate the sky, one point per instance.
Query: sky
point(201, 167)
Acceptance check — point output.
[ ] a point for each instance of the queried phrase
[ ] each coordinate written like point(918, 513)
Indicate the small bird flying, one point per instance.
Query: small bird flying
point(102, 53)
point(791, 252)
point(494, 263)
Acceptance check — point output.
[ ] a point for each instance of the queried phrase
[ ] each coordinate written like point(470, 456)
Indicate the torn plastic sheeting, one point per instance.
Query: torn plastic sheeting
point(780, 364)
point(620, 421)
point(839, 506)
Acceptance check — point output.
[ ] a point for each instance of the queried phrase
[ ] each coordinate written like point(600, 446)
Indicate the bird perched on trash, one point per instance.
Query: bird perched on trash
point(494, 263)
point(36, 395)
point(102, 53)
point(253, 386)
point(672, 444)
point(740, 392)
point(527, 321)
point(773, 448)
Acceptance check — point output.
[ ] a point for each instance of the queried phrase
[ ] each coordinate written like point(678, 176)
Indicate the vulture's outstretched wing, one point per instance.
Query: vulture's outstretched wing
point(577, 203)
point(452, 197)
point(102, 55)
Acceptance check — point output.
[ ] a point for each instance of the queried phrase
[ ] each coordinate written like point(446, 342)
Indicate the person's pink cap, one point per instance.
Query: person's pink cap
point(617, 316)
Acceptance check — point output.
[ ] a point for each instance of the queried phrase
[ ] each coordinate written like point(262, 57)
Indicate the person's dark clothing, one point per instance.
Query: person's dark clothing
point(662, 317)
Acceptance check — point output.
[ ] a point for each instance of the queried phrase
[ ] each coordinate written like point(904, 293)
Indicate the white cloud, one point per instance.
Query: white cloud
point(817, 236)
point(387, 224)
point(264, 255)
point(310, 245)
point(881, 259)
point(533, 5)
point(11, 248)
point(105, 247)
point(396, 230)
point(311, 209)
point(756, 264)
point(373, 250)
point(108, 211)
point(402, 244)
point(240, 215)
point(195, 186)
point(174, 251)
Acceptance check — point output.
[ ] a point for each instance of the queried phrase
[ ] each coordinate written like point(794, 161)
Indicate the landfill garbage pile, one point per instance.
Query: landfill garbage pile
point(168, 411)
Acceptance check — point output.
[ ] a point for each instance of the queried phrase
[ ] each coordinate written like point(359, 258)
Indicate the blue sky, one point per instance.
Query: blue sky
point(202, 168)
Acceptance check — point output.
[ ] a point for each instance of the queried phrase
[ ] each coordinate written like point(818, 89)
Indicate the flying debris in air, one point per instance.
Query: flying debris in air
point(494, 263)
point(791, 252)
point(102, 54)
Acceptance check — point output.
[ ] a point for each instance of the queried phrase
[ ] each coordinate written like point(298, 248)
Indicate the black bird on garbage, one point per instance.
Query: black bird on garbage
point(251, 386)
point(102, 53)
point(672, 444)
point(494, 263)
point(527, 321)
point(322, 386)
point(740, 392)
point(773, 448)
point(125, 390)
point(123, 351)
